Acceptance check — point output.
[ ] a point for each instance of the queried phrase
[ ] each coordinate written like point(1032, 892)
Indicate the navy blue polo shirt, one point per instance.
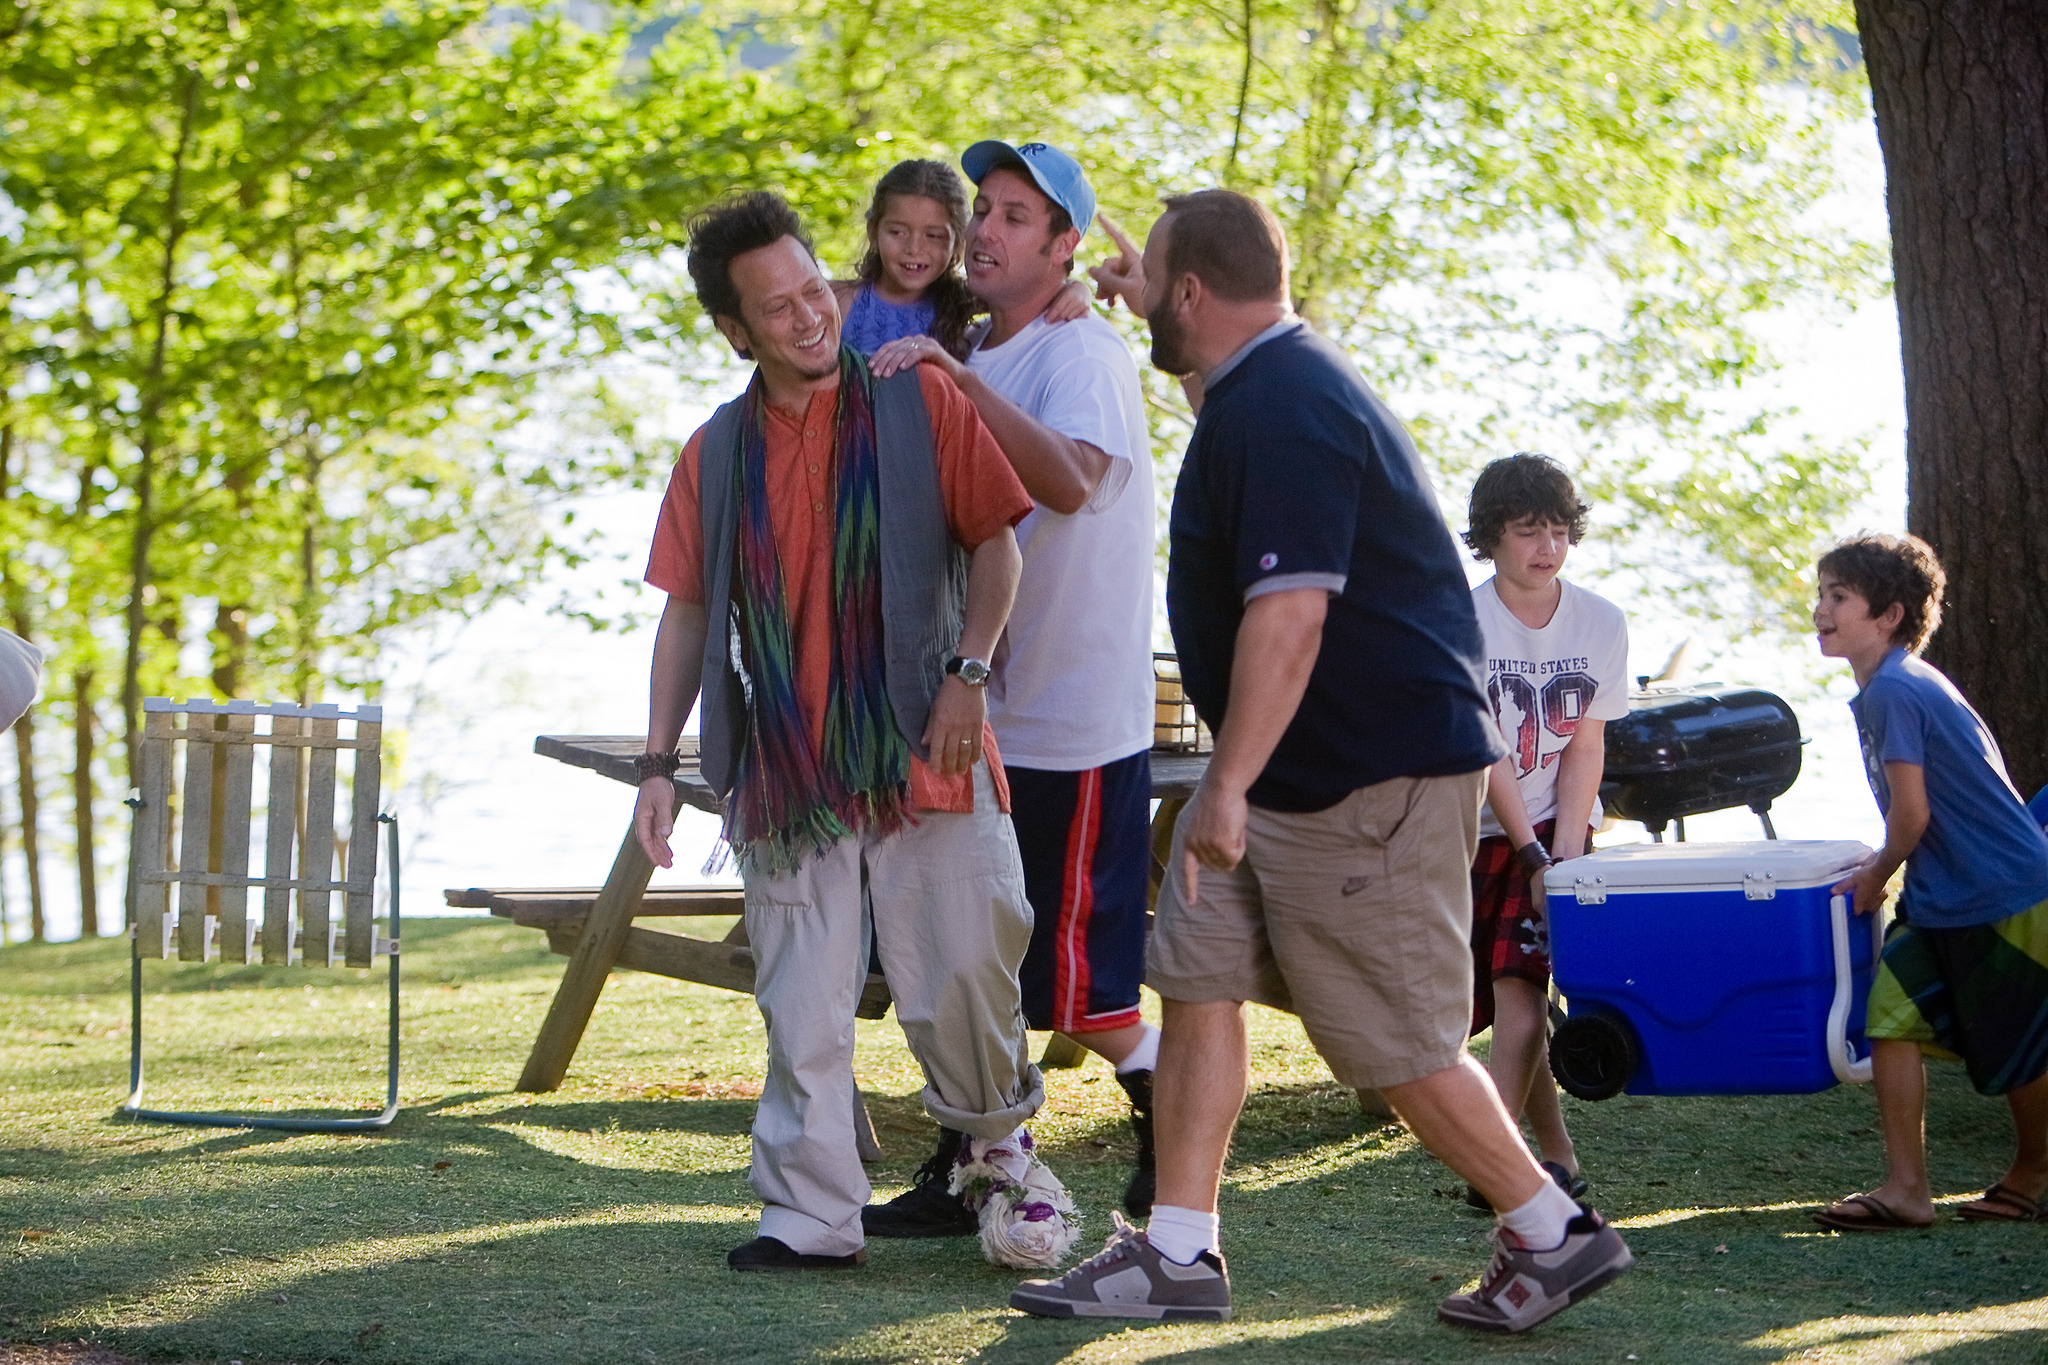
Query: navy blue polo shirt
point(1298, 476)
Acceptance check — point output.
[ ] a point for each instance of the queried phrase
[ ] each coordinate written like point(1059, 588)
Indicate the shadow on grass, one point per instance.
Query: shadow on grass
point(610, 1289)
point(708, 1117)
point(509, 1253)
point(1396, 1338)
point(490, 1227)
point(272, 1245)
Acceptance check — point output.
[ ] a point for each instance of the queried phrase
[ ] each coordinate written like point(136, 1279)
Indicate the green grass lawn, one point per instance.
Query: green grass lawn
point(591, 1224)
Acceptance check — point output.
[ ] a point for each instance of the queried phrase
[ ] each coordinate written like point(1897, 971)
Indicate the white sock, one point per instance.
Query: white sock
point(1006, 1155)
point(1144, 1057)
point(1181, 1235)
point(1540, 1223)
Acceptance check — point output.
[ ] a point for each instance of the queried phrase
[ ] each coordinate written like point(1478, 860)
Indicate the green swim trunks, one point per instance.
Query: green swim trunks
point(1976, 995)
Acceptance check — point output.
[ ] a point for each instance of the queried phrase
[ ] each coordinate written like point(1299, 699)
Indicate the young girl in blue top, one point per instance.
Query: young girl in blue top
point(1965, 969)
point(910, 282)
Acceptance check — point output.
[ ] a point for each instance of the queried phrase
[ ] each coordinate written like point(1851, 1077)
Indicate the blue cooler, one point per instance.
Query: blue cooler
point(1710, 969)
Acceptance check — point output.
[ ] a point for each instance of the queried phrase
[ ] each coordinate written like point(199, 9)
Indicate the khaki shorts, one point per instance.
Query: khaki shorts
point(1357, 918)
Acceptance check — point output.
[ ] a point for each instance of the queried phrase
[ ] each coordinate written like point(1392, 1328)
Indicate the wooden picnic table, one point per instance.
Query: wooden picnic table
point(605, 937)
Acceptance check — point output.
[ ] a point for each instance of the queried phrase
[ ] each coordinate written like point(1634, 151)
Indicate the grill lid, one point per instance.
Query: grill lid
point(1687, 751)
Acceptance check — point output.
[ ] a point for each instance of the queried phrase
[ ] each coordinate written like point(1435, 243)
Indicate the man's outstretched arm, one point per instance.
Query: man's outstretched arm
point(1056, 470)
point(677, 674)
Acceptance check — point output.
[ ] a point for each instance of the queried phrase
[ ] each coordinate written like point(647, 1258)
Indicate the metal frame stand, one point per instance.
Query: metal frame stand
point(132, 1106)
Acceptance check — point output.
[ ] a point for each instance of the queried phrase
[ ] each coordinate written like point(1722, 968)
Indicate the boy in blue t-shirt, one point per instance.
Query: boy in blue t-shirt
point(1965, 969)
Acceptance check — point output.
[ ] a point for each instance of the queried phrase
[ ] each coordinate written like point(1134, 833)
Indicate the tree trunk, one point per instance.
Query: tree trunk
point(306, 654)
point(81, 803)
point(230, 649)
point(1961, 92)
point(25, 766)
point(144, 530)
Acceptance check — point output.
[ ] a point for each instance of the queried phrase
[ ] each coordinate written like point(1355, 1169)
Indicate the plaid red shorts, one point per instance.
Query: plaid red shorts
point(1509, 935)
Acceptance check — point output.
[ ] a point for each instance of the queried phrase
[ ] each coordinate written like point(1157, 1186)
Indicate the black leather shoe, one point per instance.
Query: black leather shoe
point(1145, 1180)
point(766, 1253)
point(927, 1208)
point(1573, 1185)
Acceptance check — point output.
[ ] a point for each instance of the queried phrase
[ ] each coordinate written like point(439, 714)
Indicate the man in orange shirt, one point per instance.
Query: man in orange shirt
point(840, 558)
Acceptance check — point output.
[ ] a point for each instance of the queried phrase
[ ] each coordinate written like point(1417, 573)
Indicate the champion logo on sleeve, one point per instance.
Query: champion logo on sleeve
point(1268, 560)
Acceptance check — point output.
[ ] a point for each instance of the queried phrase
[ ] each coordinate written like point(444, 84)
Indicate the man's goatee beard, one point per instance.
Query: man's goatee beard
point(1169, 350)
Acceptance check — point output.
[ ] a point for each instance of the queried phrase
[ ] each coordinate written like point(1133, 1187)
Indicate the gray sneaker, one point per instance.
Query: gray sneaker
point(1521, 1287)
point(1128, 1279)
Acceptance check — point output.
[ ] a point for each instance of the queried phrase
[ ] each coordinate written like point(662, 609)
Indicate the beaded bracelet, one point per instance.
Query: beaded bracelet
point(656, 765)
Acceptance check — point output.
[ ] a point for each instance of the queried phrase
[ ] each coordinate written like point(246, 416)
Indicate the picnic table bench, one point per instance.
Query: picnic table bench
point(594, 926)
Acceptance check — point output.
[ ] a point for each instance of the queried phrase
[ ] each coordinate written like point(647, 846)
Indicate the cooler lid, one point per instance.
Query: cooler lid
point(1754, 865)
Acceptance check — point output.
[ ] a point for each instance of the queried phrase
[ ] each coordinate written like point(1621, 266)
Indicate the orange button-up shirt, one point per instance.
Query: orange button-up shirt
point(981, 495)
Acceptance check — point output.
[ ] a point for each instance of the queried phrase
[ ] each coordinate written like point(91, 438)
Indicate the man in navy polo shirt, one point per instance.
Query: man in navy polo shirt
point(1327, 636)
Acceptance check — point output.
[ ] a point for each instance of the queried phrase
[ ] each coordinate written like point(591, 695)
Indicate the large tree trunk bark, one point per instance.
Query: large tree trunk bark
point(1961, 90)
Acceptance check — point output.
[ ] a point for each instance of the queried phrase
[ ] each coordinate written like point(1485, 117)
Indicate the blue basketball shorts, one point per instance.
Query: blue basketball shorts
point(1086, 839)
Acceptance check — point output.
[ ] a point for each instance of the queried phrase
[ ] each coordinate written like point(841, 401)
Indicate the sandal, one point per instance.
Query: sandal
point(1862, 1213)
point(2004, 1204)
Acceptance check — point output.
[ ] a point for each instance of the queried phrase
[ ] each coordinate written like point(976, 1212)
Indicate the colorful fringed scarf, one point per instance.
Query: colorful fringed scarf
point(789, 800)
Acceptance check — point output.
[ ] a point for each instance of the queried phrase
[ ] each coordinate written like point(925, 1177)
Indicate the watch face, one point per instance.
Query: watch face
point(973, 672)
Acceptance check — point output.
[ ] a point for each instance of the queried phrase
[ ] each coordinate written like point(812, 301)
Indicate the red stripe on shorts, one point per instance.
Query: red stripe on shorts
point(1070, 981)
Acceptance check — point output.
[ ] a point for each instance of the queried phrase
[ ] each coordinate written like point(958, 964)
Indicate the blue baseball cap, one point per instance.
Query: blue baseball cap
point(1051, 169)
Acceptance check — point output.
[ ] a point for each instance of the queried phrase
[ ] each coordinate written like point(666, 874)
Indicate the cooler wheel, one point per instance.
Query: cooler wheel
point(1594, 1056)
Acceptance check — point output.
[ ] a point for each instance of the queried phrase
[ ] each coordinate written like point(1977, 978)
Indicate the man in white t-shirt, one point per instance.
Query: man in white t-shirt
point(1071, 692)
point(1556, 673)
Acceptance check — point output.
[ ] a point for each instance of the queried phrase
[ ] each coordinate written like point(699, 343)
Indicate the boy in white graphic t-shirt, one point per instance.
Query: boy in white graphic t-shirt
point(1556, 673)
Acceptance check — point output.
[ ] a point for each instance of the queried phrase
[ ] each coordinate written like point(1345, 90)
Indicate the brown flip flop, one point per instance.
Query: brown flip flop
point(2004, 1204)
point(1861, 1213)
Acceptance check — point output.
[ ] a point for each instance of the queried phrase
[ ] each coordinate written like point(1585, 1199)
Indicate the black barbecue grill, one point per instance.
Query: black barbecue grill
point(1687, 751)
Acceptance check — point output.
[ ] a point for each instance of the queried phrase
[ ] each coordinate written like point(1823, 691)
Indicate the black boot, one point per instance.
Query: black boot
point(1138, 1194)
point(927, 1208)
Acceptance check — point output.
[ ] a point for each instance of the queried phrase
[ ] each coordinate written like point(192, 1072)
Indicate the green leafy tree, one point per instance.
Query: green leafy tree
point(284, 279)
point(1549, 223)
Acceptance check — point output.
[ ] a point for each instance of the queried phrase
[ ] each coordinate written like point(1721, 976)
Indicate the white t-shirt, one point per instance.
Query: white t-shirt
point(1541, 683)
point(1072, 686)
point(21, 668)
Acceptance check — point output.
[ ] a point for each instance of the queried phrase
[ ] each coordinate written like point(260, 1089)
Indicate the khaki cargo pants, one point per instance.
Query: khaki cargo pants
point(949, 911)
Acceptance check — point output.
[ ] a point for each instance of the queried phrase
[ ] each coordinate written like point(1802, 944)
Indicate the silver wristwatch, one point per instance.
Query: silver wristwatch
point(973, 672)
